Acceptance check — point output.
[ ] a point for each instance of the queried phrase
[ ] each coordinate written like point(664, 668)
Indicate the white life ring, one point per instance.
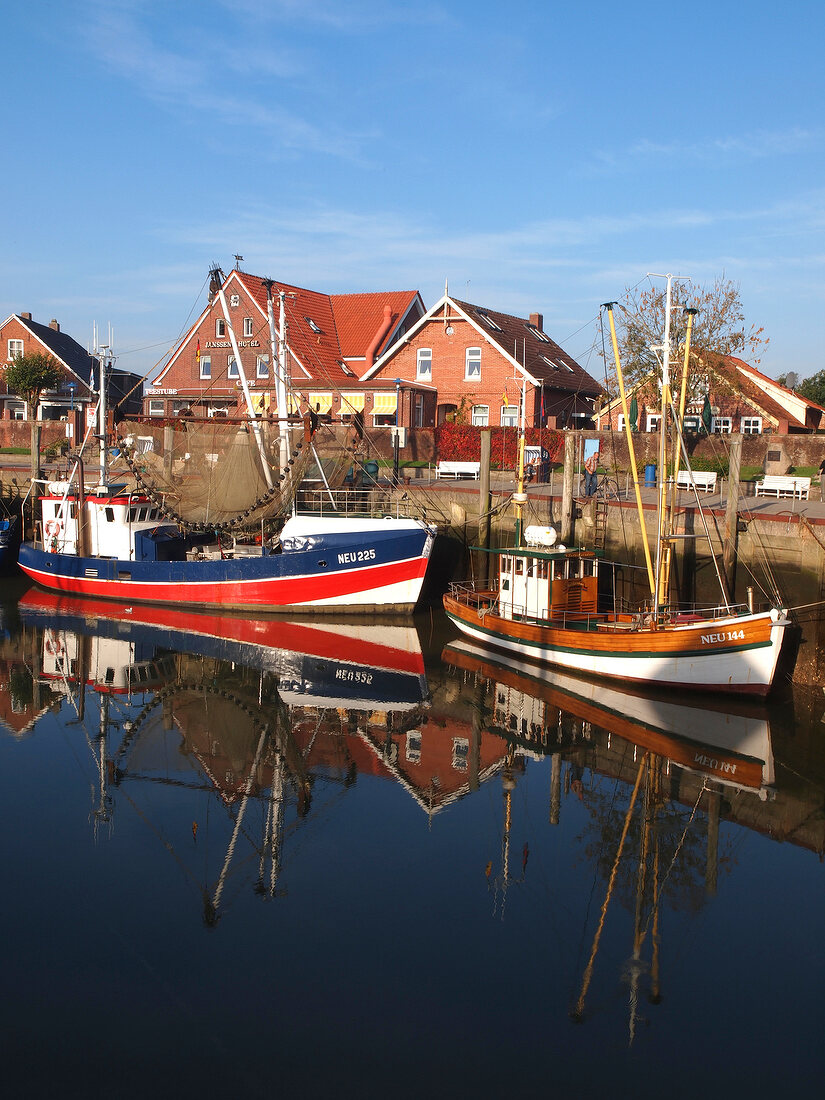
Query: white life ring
point(53, 527)
point(53, 644)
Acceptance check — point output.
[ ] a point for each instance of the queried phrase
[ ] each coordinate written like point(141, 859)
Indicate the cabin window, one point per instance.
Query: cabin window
point(509, 416)
point(721, 425)
point(541, 570)
point(424, 364)
point(481, 416)
point(751, 425)
point(505, 584)
point(472, 365)
point(247, 326)
point(110, 676)
point(220, 327)
point(519, 567)
point(414, 747)
point(461, 750)
point(110, 514)
point(206, 366)
point(232, 367)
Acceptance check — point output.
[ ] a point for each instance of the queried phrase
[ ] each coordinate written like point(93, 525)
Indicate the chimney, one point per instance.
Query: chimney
point(53, 324)
point(25, 316)
point(537, 321)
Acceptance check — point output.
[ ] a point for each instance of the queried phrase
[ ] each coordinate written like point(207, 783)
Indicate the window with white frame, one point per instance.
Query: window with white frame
point(424, 365)
point(481, 416)
point(262, 367)
point(414, 746)
point(419, 410)
point(472, 365)
point(156, 407)
point(620, 423)
point(509, 416)
point(653, 422)
point(751, 425)
point(15, 348)
point(247, 326)
point(17, 410)
point(232, 367)
point(461, 752)
point(220, 327)
point(206, 366)
point(721, 425)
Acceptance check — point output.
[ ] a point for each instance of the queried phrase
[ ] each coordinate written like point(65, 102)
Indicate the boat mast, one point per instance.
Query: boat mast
point(520, 497)
point(278, 350)
point(665, 406)
point(630, 448)
point(256, 424)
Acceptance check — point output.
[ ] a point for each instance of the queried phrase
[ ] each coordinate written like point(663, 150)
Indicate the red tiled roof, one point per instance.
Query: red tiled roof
point(359, 318)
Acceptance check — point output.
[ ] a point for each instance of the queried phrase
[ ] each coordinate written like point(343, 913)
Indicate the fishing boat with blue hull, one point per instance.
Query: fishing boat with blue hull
point(11, 529)
point(322, 564)
point(374, 665)
point(213, 523)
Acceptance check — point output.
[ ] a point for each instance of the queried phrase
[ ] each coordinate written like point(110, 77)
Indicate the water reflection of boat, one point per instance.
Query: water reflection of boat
point(730, 744)
point(344, 664)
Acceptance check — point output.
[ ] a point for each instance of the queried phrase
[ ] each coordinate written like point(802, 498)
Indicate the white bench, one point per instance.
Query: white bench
point(783, 485)
point(702, 479)
point(458, 470)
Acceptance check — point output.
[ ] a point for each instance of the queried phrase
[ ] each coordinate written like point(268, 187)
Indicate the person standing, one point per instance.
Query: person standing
point(822, 480)
point(591, 464)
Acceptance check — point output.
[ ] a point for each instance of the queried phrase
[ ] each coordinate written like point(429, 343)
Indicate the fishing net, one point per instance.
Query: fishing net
point(213, 473)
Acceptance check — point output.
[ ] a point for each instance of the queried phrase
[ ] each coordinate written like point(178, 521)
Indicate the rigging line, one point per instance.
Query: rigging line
point(579, 1009)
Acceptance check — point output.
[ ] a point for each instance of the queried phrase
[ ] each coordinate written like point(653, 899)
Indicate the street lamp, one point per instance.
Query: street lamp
point(395, 437)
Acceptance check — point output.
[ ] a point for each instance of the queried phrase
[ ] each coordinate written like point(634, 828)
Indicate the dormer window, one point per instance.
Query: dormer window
point(312, 324)
point(347, 371)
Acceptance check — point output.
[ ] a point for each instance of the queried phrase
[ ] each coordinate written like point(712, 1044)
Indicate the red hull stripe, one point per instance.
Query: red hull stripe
point(263, 592)
point(275, 633)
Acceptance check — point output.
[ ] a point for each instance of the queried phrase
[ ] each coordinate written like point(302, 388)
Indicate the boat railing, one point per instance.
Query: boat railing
point(365, 503)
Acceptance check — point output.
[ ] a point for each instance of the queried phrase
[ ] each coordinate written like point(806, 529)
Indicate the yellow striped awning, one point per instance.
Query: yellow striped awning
point(320, 402)
point(384, 403)
point(352, 402)
point(293, 403)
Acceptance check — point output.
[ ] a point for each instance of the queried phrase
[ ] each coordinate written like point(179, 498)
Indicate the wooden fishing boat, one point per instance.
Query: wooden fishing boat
point(559, 605)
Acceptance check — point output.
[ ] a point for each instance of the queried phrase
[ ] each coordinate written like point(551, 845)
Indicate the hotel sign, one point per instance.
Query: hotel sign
point(228, 344)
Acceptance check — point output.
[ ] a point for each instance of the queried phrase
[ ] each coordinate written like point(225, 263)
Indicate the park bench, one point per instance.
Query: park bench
point(702, 479)
point(783, 485)
point(458, 470)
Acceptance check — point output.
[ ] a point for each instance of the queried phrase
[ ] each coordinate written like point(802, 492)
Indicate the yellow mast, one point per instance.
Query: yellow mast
point(631, 450)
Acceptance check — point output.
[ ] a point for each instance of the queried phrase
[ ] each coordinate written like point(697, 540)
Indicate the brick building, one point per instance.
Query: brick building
point(331, 338)
point(19, 334)
point(462, 361)
point(739, 399)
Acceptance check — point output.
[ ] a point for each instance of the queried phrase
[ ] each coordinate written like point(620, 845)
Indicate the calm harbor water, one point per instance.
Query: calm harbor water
point(371, 859)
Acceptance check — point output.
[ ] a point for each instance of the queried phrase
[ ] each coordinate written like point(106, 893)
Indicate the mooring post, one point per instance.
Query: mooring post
point(484, 504)
point(567, 491)
point(732, 514)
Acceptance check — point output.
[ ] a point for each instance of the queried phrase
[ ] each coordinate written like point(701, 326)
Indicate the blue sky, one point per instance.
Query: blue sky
point(538, 156)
